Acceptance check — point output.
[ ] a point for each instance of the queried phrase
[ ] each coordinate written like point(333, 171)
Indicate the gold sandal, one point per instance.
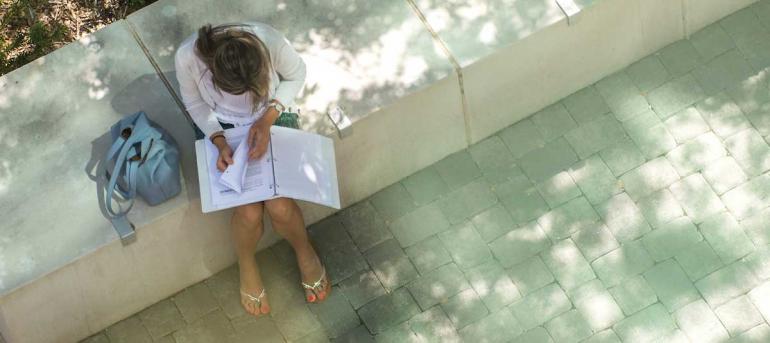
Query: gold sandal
point(257, 300)
point(314, 287)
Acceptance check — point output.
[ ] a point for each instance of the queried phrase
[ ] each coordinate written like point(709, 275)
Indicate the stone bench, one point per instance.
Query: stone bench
point(419, 80)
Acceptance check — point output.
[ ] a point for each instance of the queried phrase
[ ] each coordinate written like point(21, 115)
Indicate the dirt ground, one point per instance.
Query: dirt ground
point(32, 28)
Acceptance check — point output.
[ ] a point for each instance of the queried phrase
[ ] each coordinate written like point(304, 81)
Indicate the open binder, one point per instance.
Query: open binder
point(297, 165)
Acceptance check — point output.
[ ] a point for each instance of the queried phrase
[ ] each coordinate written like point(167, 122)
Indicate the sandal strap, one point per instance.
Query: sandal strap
point(318, 282)
point(257, 299)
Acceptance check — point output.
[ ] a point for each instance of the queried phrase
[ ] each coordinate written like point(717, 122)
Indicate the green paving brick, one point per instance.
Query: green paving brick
point(700, 323)
point(622, 263)
point(569, 327)
point(465, 245)
point(553, 121)
point(757, 226)
point(760, 119)
point(648, 73)
point(739, 315)
point(727, 237)
point(622, 157)
point(493, 285)
point(724, 284)
point(752, 95)
point(726, 70)
point(336, 314)
point(595, 180)
point(433, 326)
point(724, 174)
point(493, 222)
point(540, 164)
point(536, 335)
point(633, 295)
point(675, 96)
point(361, 288)
point(388, 311)
point(585, 104)
point(522, 138)
point(428, 254)
point(680, 57)
point(723, 115)
point(623, 218)
point(541, 306)
point(606, 336)
point(500, 326)
point(749, 198)
point(595, 241)
point(467, 201)
point(365, 225)
point(438, 285)
point(530, 275)
point(650, 134)
point(645, 325)
point(757, 52)
point(568, 265)
point(758, 334)
point(458, 169)
point(596, 305)
point(419, 224)
point(465, 308)
point(595, 135)
point(391, 265)
point(671, 285)
point(566, 219)
point(649, 177)
point(698, 260)
point(760, 297)
point(671, 238)
point(494, 159)
point(698, 199)
point(398, 334)
point(686, 124)
point(675, 336)
point(759, 262)
point(558, 189)
point(294, 322)
point(521, 199)
point(743, 25)
point(622, 96)
point(660, 207)
point(750, 151)
point(519, 244)
point(393, 202)
point(425, 185)
point(711, 41)
point(696, 154)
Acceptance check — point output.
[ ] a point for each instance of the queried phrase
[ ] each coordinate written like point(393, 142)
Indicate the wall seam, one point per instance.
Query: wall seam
point(158, 71)
point(455, 65)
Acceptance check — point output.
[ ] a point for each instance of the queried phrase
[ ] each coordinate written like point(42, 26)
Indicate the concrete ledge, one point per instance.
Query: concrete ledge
point(411, 106)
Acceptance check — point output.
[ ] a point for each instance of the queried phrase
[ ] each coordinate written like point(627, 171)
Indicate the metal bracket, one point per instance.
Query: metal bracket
point(341, 121)
point(570, 10)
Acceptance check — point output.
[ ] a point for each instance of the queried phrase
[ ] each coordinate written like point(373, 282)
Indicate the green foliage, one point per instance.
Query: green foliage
point(43, 36)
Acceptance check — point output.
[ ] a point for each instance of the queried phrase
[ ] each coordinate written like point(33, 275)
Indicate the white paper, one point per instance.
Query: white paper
point(234, 176)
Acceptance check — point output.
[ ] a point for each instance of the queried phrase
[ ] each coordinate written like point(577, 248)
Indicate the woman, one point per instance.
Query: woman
point(245, 74)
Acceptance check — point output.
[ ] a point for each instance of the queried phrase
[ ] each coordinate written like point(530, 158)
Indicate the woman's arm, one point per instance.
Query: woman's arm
point(199, 110)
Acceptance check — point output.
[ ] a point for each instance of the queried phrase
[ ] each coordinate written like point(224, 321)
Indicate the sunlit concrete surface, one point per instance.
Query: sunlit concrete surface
point(635, 210)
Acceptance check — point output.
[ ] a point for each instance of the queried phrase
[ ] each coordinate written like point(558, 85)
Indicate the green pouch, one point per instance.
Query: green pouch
point(288, 119)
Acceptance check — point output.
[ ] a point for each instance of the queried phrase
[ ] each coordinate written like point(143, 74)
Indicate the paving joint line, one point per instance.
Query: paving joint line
point(455, 65)
point(158, 71)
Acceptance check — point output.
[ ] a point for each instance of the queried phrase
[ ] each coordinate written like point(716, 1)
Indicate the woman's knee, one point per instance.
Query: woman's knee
point(250, 215)
point(281, 209)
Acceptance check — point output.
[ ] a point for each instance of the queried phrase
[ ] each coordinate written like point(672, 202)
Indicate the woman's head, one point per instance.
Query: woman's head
point(238, 60)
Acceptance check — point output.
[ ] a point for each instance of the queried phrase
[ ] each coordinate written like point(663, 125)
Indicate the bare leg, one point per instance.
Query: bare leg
point(247, 231)
point(288, 222)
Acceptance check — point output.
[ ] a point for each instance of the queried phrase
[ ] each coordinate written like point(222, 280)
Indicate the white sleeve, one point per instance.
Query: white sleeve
point(291, 69)
point(199, 110)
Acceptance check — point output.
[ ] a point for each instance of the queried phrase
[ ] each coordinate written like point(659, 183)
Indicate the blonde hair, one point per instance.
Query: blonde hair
point(238, 60)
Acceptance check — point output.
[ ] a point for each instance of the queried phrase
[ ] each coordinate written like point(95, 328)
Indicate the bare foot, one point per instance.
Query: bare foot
point(253, 295)
point(312, 271)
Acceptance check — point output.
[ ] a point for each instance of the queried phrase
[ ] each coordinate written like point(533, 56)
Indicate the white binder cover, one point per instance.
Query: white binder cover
point(297, 165)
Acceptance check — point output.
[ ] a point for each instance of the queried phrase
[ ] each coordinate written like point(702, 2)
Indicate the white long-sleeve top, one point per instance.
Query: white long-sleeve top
point(208, 105)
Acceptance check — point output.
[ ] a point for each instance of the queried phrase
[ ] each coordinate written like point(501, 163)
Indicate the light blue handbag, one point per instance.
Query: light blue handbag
point(143, 159)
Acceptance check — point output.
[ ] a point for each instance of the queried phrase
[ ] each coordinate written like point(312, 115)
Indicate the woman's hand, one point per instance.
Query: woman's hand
point(225, 154)
point(259, 137)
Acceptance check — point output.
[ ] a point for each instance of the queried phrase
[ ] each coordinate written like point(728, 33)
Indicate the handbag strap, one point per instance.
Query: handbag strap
point(121, 147)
